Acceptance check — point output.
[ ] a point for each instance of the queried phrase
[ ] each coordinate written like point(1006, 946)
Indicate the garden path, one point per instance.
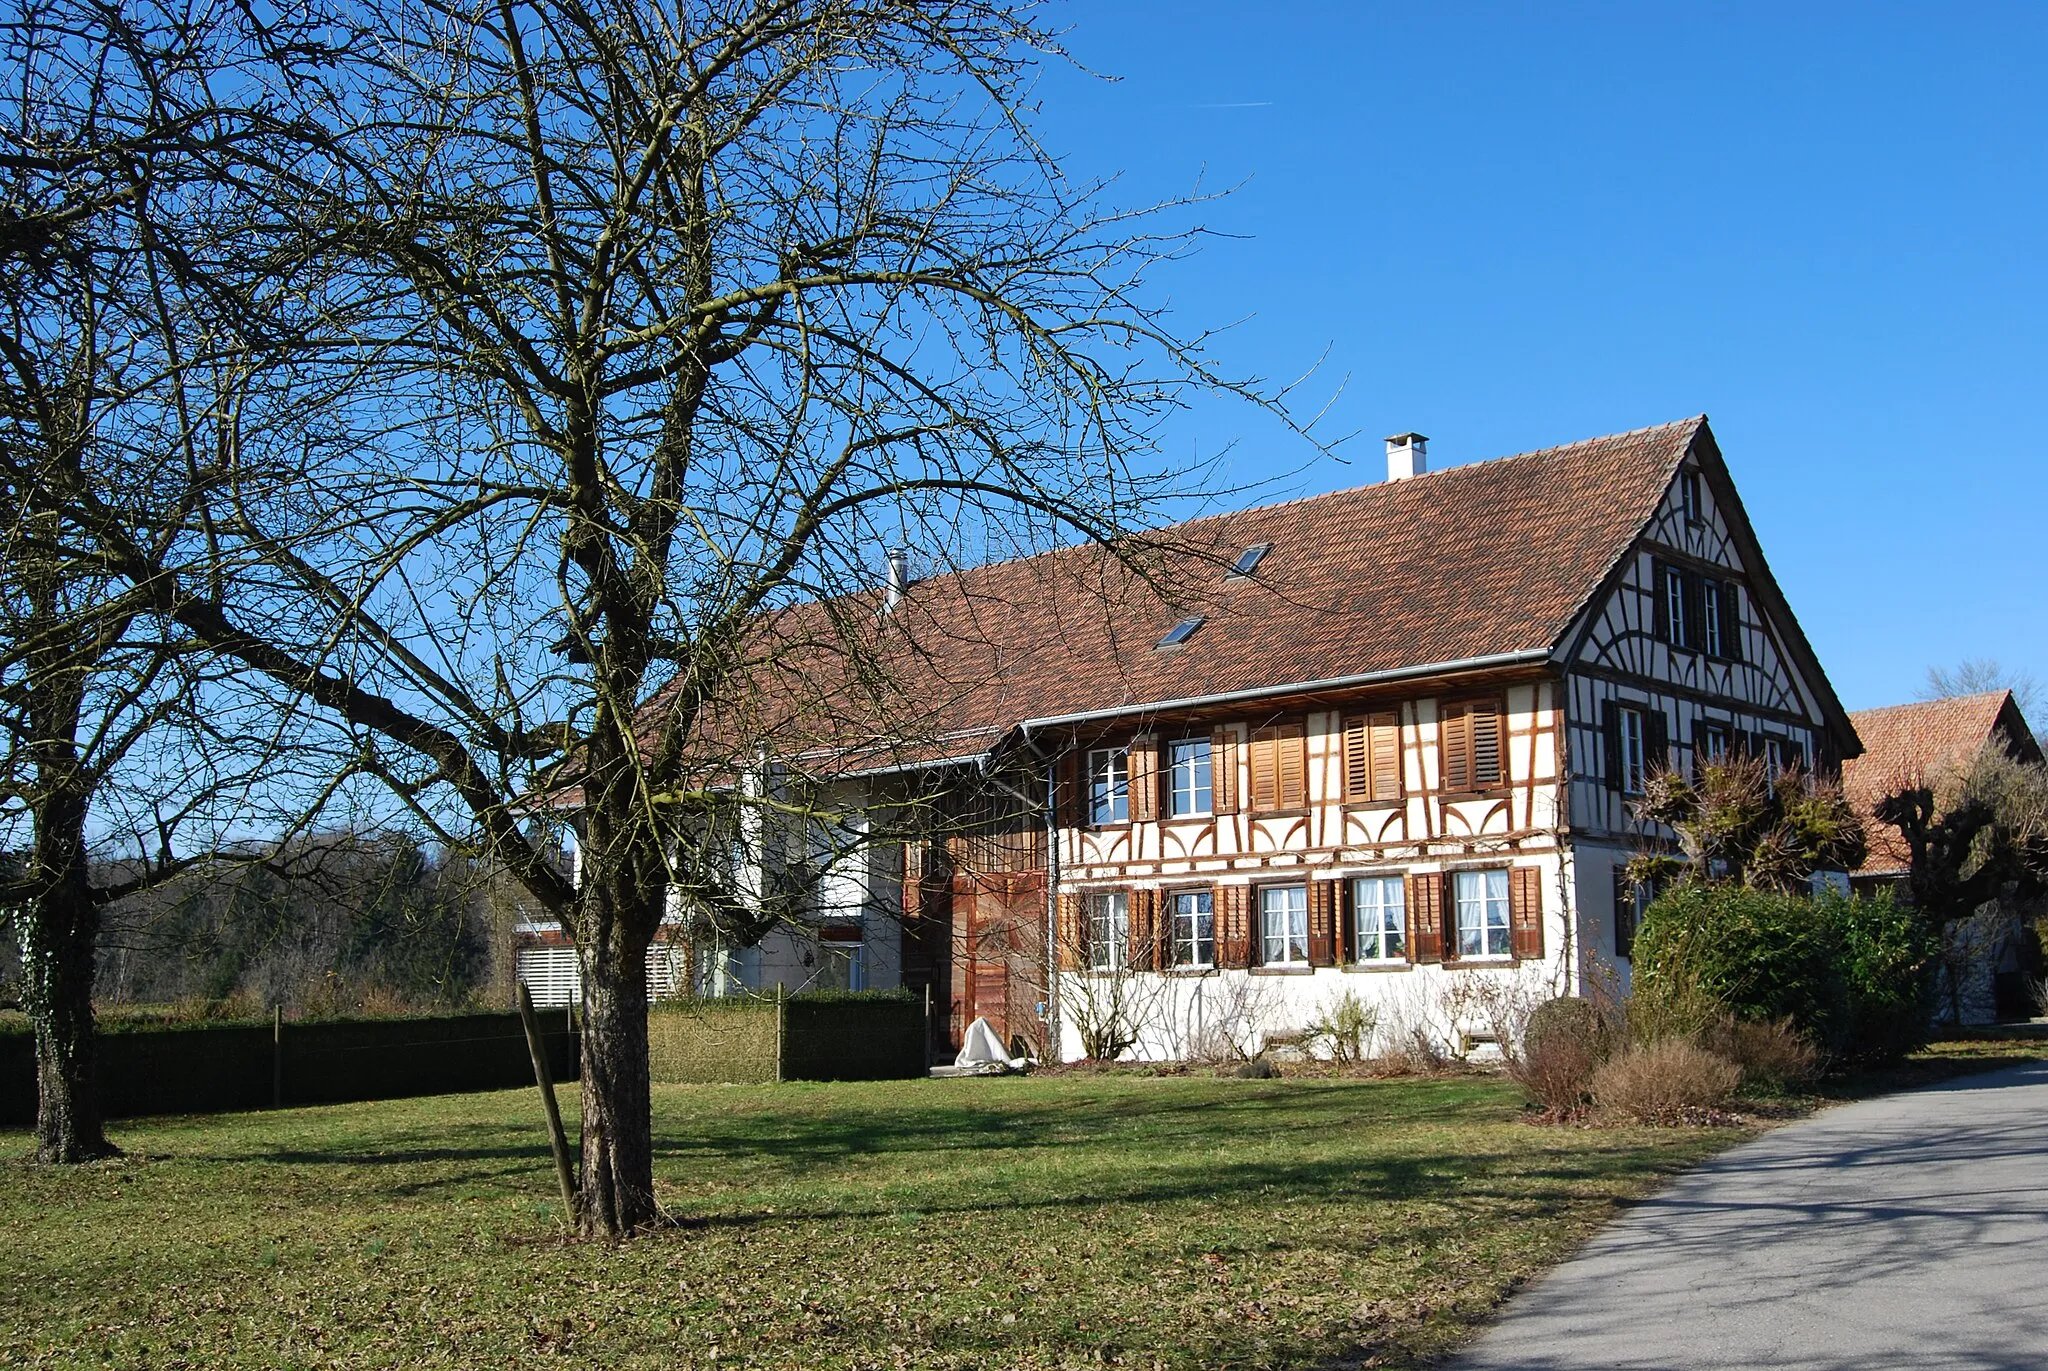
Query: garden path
point(1905, 1231)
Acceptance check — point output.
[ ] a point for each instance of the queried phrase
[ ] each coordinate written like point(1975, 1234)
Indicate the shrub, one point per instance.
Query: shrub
point(1889, 962)
point(1850, 975)
point(1659, 1082)
point(1340, 1032)
point(1773, 1057)
point(1566, 1040)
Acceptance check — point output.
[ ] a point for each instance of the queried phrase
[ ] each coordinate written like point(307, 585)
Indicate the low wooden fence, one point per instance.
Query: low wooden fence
point(206, 1068)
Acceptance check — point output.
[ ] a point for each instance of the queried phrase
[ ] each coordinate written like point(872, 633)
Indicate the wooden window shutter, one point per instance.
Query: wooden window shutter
point(1232, 904)
point(1656, 739)
point(1223, 769)
point(1487, 768)
point(1265, 769)
point(1660, 606)
point(1372, 756)
point(1293, 756)
point(1073, 928)
point(1340, 904)
point(1610, 742)
point(1386, 756)
point(1143, 906)
point(1525, 911)
point(1280, 766)
point(1322, 923)
point(1454, 741)
point(1358, 778)
point(1425, 917)
point(1144, 777)
point(1695, 610)
point(1067, 796)
point(1731, 622)
point(1624, 913)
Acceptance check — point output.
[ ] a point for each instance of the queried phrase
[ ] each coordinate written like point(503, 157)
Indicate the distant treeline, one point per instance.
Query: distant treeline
point(336, 923)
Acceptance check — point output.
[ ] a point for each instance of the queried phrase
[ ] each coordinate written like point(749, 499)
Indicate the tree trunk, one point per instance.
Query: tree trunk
point(616, 1188)
point(57, 933)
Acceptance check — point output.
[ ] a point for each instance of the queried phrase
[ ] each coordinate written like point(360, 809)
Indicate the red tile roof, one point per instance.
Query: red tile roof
point(1911, 743)
point(1488, 560)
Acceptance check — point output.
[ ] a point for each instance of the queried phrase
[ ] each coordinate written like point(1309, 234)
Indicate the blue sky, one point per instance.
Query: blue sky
point(1510, 226)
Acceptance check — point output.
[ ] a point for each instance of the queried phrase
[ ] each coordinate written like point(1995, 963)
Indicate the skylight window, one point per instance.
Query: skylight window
point(1248, 560)
point(1183, 630)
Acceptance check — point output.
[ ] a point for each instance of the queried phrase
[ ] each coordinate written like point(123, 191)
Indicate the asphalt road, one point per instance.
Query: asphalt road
point(1904, 1232)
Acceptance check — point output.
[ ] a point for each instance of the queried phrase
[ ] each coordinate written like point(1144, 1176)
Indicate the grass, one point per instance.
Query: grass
point(1044, 1222)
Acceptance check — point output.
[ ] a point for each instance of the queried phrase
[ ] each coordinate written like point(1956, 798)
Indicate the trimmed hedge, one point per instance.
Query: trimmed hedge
point(1852, 974)
point(826, 1036)
point(213, 1067)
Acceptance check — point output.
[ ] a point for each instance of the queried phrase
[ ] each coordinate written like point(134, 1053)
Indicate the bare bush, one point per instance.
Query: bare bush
point(1341, 1031)
point(1225, 1025)
point(1773, 1057)
point(1659, 1083)
point(1563, 1044)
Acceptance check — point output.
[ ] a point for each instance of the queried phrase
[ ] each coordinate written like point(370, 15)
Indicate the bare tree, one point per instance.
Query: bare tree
point(1975, 676)
point(115, 153)
point(692, 307)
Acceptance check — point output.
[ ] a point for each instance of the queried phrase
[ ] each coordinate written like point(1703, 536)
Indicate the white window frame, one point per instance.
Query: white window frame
point(1632, 723)
point(1109, 786)
point(1689, 496)
point(1193, 911)
point(1191, 780)
point(1377, 920)
point(1480, 899)
point(1288, 903)
point(1675, 600)
point(1109, 930)
point(1713, 639)
point(1704, 749)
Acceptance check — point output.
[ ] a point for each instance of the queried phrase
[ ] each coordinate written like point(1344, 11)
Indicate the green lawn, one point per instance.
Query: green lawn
point(1020, 1223)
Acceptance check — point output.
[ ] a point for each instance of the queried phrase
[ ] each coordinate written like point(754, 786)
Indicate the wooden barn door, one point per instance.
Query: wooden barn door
point(999, 954)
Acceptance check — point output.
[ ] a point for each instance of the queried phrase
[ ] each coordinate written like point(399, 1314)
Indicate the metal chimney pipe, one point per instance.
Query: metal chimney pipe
point(899, 577)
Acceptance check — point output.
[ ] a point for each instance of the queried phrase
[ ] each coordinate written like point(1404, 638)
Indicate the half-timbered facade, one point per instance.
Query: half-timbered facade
point(1379, 744)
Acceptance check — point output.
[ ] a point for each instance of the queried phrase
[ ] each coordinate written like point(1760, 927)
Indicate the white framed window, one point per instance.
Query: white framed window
point(1635, 767)
point(1109, 785)
point(1109, 930)
point(1283, 925)
point(1379, 918)
point(1190, 775)
point(1712, 743)
point(1676, 603)
point(1481, 898)
point(1689, 495)
point(1194, 928)
point(1713, 617)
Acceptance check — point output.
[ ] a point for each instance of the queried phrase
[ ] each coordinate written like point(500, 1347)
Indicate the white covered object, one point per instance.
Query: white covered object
point(982, 1046)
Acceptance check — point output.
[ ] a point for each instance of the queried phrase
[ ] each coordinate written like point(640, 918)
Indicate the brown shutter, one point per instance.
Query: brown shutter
point(1067, 790)
point(1656, 739)
point(1293, 756)
point(1073, 930)
point(1488, 769)
point(1347, 921)
point(1232, 904)
point(1265, 769)
point(1610, 742)
point(1223, 768)
point(1454, 744)
point(1731, 622)
point(1144, 925)
point(1358, 758)
point(1660, 607)
point(1144, 777)
point(1425, 917)
point(1525, 911)
point(1624, 913)
point(1322, 923)
point(1386, 756)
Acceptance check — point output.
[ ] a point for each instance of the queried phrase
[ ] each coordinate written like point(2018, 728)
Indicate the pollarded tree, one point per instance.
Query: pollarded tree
point(1737, 819)
point(694, 306)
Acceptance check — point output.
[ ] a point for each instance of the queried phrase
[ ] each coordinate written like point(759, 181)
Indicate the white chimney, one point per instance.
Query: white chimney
point(1407, 455)
point(899, 577)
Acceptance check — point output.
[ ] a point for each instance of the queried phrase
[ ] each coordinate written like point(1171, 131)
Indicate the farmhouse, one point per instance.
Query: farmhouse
point(1381, 741)
point(1991, 958)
